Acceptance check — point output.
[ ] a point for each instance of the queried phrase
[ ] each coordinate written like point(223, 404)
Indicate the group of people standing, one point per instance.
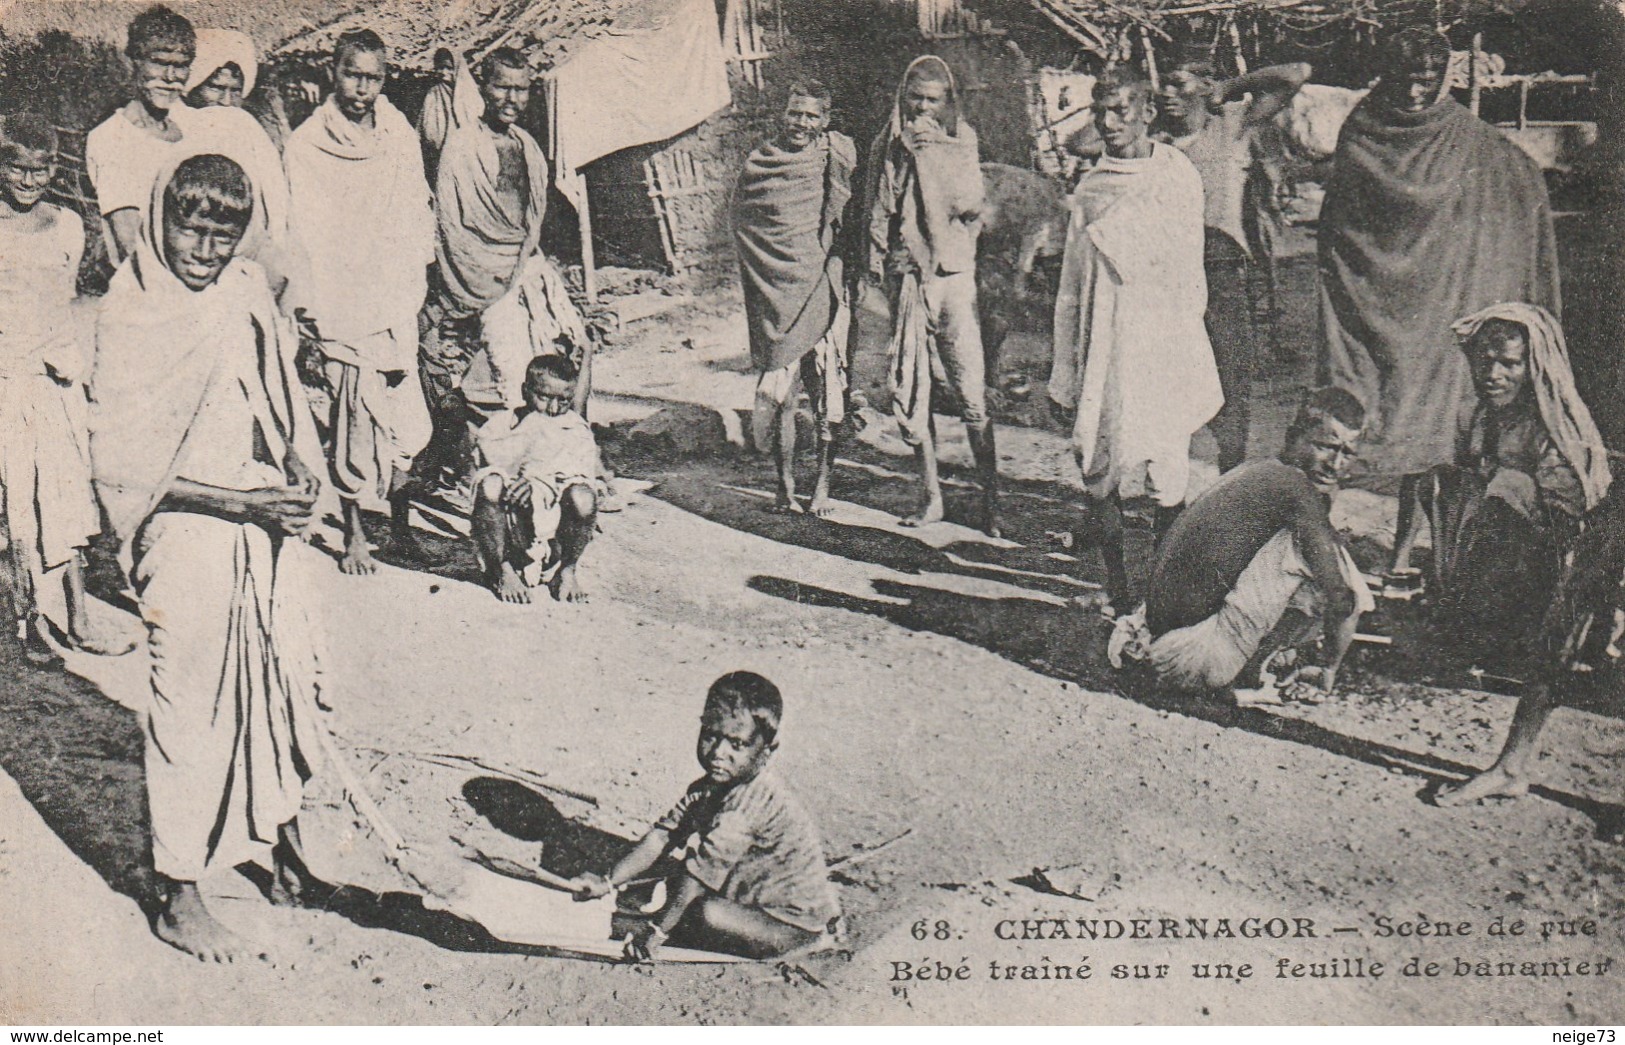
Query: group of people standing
point(283, 325)
point(425, 314)
point(1444, 367)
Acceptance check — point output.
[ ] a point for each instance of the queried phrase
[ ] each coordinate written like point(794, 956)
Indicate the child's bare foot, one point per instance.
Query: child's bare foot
point(567, 587)
point(1494, 782)
point(822, 506)
point(509, 586)
point(186, 925)
point(357, 560)
point(930, 512)
point(786, 504)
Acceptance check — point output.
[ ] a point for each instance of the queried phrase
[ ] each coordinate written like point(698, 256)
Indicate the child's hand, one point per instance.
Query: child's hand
point(590, 886)
point(642, 944)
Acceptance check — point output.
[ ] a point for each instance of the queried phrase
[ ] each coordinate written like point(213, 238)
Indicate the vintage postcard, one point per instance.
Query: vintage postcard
point(551, 512)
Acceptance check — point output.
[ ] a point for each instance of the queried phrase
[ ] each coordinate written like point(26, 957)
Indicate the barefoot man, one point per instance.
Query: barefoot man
point(1431, 214)
point(195, 417)
point(1582, 648)
point(362, 208)
point(925, 211)
point(48, 511)
point(788, 210)
point(1133, 368)
point(497, 301)
point(1254, 566)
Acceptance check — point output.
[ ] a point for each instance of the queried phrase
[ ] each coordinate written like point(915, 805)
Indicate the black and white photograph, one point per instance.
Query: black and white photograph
point(812, 512)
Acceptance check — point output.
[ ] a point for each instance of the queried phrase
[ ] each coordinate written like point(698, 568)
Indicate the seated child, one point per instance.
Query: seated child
point(1530, 463)
point(535, 500)
point(1254, 566)
point(48, 511)
point(752, 879)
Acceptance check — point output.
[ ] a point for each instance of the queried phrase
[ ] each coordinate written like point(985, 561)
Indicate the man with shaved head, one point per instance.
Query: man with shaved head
point(1133, 369)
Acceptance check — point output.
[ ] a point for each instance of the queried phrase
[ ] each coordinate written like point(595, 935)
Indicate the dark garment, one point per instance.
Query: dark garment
point(1219, 534)
point(1234, 336)
point(1583, 637)
point(788, 210)
point(1429, 216)
point(1502, 518)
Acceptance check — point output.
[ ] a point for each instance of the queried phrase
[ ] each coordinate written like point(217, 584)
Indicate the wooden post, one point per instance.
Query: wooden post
point(1235, 42)
point(1150, 59)
point(589, 268)
point(1473, 85)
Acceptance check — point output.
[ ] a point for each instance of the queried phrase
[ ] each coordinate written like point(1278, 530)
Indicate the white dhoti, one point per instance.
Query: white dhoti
point(378, 418)
point(1132, 355)
point(1210, 654)
point(827, 392)
point(224, 764)
point(45, 486)
point(526, 322)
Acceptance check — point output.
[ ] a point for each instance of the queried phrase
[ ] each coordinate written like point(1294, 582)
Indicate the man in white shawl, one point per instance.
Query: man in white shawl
point(1133, 367)
point(361, 208)
point(195, 423)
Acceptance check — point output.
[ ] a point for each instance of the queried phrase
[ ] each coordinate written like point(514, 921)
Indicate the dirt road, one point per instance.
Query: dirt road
point(937, 684)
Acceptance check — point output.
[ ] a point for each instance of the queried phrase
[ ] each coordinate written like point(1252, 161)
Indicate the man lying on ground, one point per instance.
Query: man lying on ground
point(1254, 565)
point(1582, 649)
point(534, 497)
point(752, 879)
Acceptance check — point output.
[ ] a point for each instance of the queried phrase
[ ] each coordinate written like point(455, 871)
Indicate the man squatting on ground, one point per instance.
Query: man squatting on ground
point(1215, 128)
point(789, 218)
point(50, 512)
point(496, 301)
point(924, 210)
point(362, 209)
point(1581, 653)
point(752, 879)
point(1133, 368)
point(199, 432)
point(534, 498)
point(1530, 464)
point(1249, 567)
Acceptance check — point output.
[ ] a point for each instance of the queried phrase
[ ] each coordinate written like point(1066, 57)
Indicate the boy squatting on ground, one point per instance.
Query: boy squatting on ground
point(1247, 568)
point(752, 879)
point(49, 513)
point(534, 495)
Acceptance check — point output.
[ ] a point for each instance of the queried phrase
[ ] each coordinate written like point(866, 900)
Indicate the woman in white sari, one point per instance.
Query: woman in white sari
point(194, 421)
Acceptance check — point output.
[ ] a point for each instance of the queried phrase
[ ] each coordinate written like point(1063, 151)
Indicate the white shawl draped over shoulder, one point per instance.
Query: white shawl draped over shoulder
point(158, 347)
point(1130, 307)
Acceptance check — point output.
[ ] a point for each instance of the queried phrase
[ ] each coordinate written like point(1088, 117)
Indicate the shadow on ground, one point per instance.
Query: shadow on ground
point(1065, 643)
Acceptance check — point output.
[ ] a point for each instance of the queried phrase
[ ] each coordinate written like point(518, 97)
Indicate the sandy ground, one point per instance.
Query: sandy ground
point(937, 684)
